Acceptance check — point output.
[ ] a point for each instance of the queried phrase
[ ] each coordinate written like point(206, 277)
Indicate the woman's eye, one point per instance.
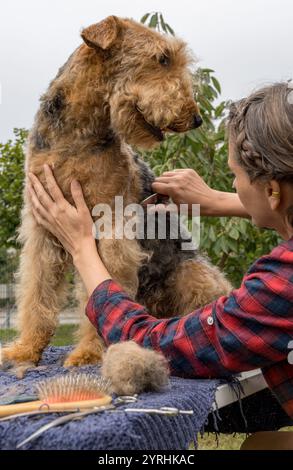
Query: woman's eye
point(164, 60)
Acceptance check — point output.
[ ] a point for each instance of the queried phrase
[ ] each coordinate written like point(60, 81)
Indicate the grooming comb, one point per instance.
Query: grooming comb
point(155, 198)
point(119, 401)
point(111, 408)
point(70, 392)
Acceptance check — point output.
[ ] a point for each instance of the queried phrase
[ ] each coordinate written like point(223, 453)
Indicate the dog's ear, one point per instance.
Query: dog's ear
point(102, 35)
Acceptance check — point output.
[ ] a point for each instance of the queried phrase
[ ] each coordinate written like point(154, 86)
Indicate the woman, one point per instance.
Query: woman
point(253, 326)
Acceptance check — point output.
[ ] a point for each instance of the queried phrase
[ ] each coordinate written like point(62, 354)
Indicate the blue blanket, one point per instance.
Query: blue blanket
point(110, 431)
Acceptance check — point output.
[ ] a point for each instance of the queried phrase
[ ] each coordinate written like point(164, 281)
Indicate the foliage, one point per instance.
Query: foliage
point(156, 20)
point(231, 243)
point(11, 183)
point(8, 265)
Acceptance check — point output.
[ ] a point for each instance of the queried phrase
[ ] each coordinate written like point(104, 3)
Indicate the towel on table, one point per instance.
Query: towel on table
point(110, 431)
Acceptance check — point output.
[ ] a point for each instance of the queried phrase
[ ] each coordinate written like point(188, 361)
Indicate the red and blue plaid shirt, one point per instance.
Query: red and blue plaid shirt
point(250, 328)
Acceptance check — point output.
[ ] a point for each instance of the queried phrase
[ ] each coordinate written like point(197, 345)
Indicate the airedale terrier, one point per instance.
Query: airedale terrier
point(125, 85)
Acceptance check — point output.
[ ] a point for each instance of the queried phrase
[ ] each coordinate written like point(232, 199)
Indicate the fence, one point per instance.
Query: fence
point(7, 305)
point(68, 316)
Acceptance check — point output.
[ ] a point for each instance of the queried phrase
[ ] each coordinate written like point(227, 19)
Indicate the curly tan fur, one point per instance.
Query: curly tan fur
point(114, 90)
point(132, 369)
point(194, 284)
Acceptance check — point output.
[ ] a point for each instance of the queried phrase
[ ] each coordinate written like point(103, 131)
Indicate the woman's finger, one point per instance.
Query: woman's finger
point(53, 187)
point(38, 217)
point(167, 176)
point(77, 195)
point(37, 202)
point(173, 172)
point(46, 225)
point(40, 191)
point(164, 179)
point(162, 188)
point(43, 222)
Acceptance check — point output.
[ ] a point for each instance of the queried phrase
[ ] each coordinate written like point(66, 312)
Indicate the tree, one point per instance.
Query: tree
point(11, 185)
point(231, 243)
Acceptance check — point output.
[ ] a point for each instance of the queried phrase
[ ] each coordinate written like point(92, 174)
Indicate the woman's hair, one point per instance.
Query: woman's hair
point(261, 126)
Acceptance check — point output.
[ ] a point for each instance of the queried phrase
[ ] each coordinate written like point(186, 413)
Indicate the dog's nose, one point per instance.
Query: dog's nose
point(197, 121)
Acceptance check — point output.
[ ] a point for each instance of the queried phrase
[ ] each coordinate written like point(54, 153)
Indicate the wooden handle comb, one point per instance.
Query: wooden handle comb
point(8, 410)
point(63, 393)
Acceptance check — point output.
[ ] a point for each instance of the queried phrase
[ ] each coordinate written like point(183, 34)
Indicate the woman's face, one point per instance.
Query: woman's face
point(254, 196)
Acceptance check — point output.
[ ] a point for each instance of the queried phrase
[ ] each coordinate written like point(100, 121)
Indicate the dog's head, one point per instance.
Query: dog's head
point(150, 88)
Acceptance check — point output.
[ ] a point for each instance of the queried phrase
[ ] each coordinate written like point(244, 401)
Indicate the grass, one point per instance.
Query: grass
point(225, 441)
point(65, 336)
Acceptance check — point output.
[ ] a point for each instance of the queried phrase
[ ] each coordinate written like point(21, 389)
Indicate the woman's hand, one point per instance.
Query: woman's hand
point(71, 225)
point(185, 186)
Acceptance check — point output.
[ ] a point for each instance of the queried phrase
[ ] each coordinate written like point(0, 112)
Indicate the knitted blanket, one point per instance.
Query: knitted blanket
point(110, 431)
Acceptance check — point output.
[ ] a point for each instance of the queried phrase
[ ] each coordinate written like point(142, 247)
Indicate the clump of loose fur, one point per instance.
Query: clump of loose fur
point(132, 369)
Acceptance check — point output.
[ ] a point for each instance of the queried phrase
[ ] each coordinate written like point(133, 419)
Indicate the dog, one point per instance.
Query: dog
point(126, 85)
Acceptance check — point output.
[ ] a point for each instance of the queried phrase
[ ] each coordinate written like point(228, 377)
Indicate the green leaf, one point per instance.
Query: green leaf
point(170, 30)
point(232, 245)
point(154, 21)
point(216, 84)
point(162, 22)
point(233, 233)
point(144, 18)
point(212, 235)
point(207, 70)
point(224, 245)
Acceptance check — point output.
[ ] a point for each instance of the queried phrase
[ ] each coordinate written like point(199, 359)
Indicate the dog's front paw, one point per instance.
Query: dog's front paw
point(17, 359)
point(82, 357)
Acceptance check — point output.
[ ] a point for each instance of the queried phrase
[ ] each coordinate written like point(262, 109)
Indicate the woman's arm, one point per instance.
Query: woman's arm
point(225, 205)
point(185, 186)
point(250, 328)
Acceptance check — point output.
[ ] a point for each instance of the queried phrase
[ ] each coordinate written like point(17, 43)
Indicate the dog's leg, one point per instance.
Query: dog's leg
point(192, 284)
point(197, 283)
point(122, 258)
point(39, 292)
point(90, 347)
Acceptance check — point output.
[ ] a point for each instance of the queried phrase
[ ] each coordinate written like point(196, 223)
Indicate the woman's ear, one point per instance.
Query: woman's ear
point(101, 35)
point(274, 194)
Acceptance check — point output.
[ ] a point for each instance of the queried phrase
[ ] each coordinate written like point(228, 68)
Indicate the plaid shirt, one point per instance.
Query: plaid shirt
point(250, 328)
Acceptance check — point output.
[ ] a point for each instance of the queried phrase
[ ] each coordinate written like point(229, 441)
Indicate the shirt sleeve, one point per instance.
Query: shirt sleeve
point(248, 329)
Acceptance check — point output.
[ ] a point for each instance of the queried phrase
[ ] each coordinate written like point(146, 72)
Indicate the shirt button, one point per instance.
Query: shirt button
point(210, 321)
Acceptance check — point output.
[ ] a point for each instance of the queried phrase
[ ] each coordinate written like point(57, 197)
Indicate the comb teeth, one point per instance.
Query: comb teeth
point(72, 387)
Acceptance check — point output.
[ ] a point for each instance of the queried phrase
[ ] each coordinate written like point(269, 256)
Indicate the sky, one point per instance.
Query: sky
point(249, 43)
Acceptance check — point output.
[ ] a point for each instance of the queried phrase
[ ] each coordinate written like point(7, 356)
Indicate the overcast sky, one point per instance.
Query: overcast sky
point(247, 42)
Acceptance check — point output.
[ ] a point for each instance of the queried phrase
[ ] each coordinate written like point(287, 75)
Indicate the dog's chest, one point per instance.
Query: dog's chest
point(102, 176)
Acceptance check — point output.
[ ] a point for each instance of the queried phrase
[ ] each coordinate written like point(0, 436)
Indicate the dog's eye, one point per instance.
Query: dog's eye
point(164, 60)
